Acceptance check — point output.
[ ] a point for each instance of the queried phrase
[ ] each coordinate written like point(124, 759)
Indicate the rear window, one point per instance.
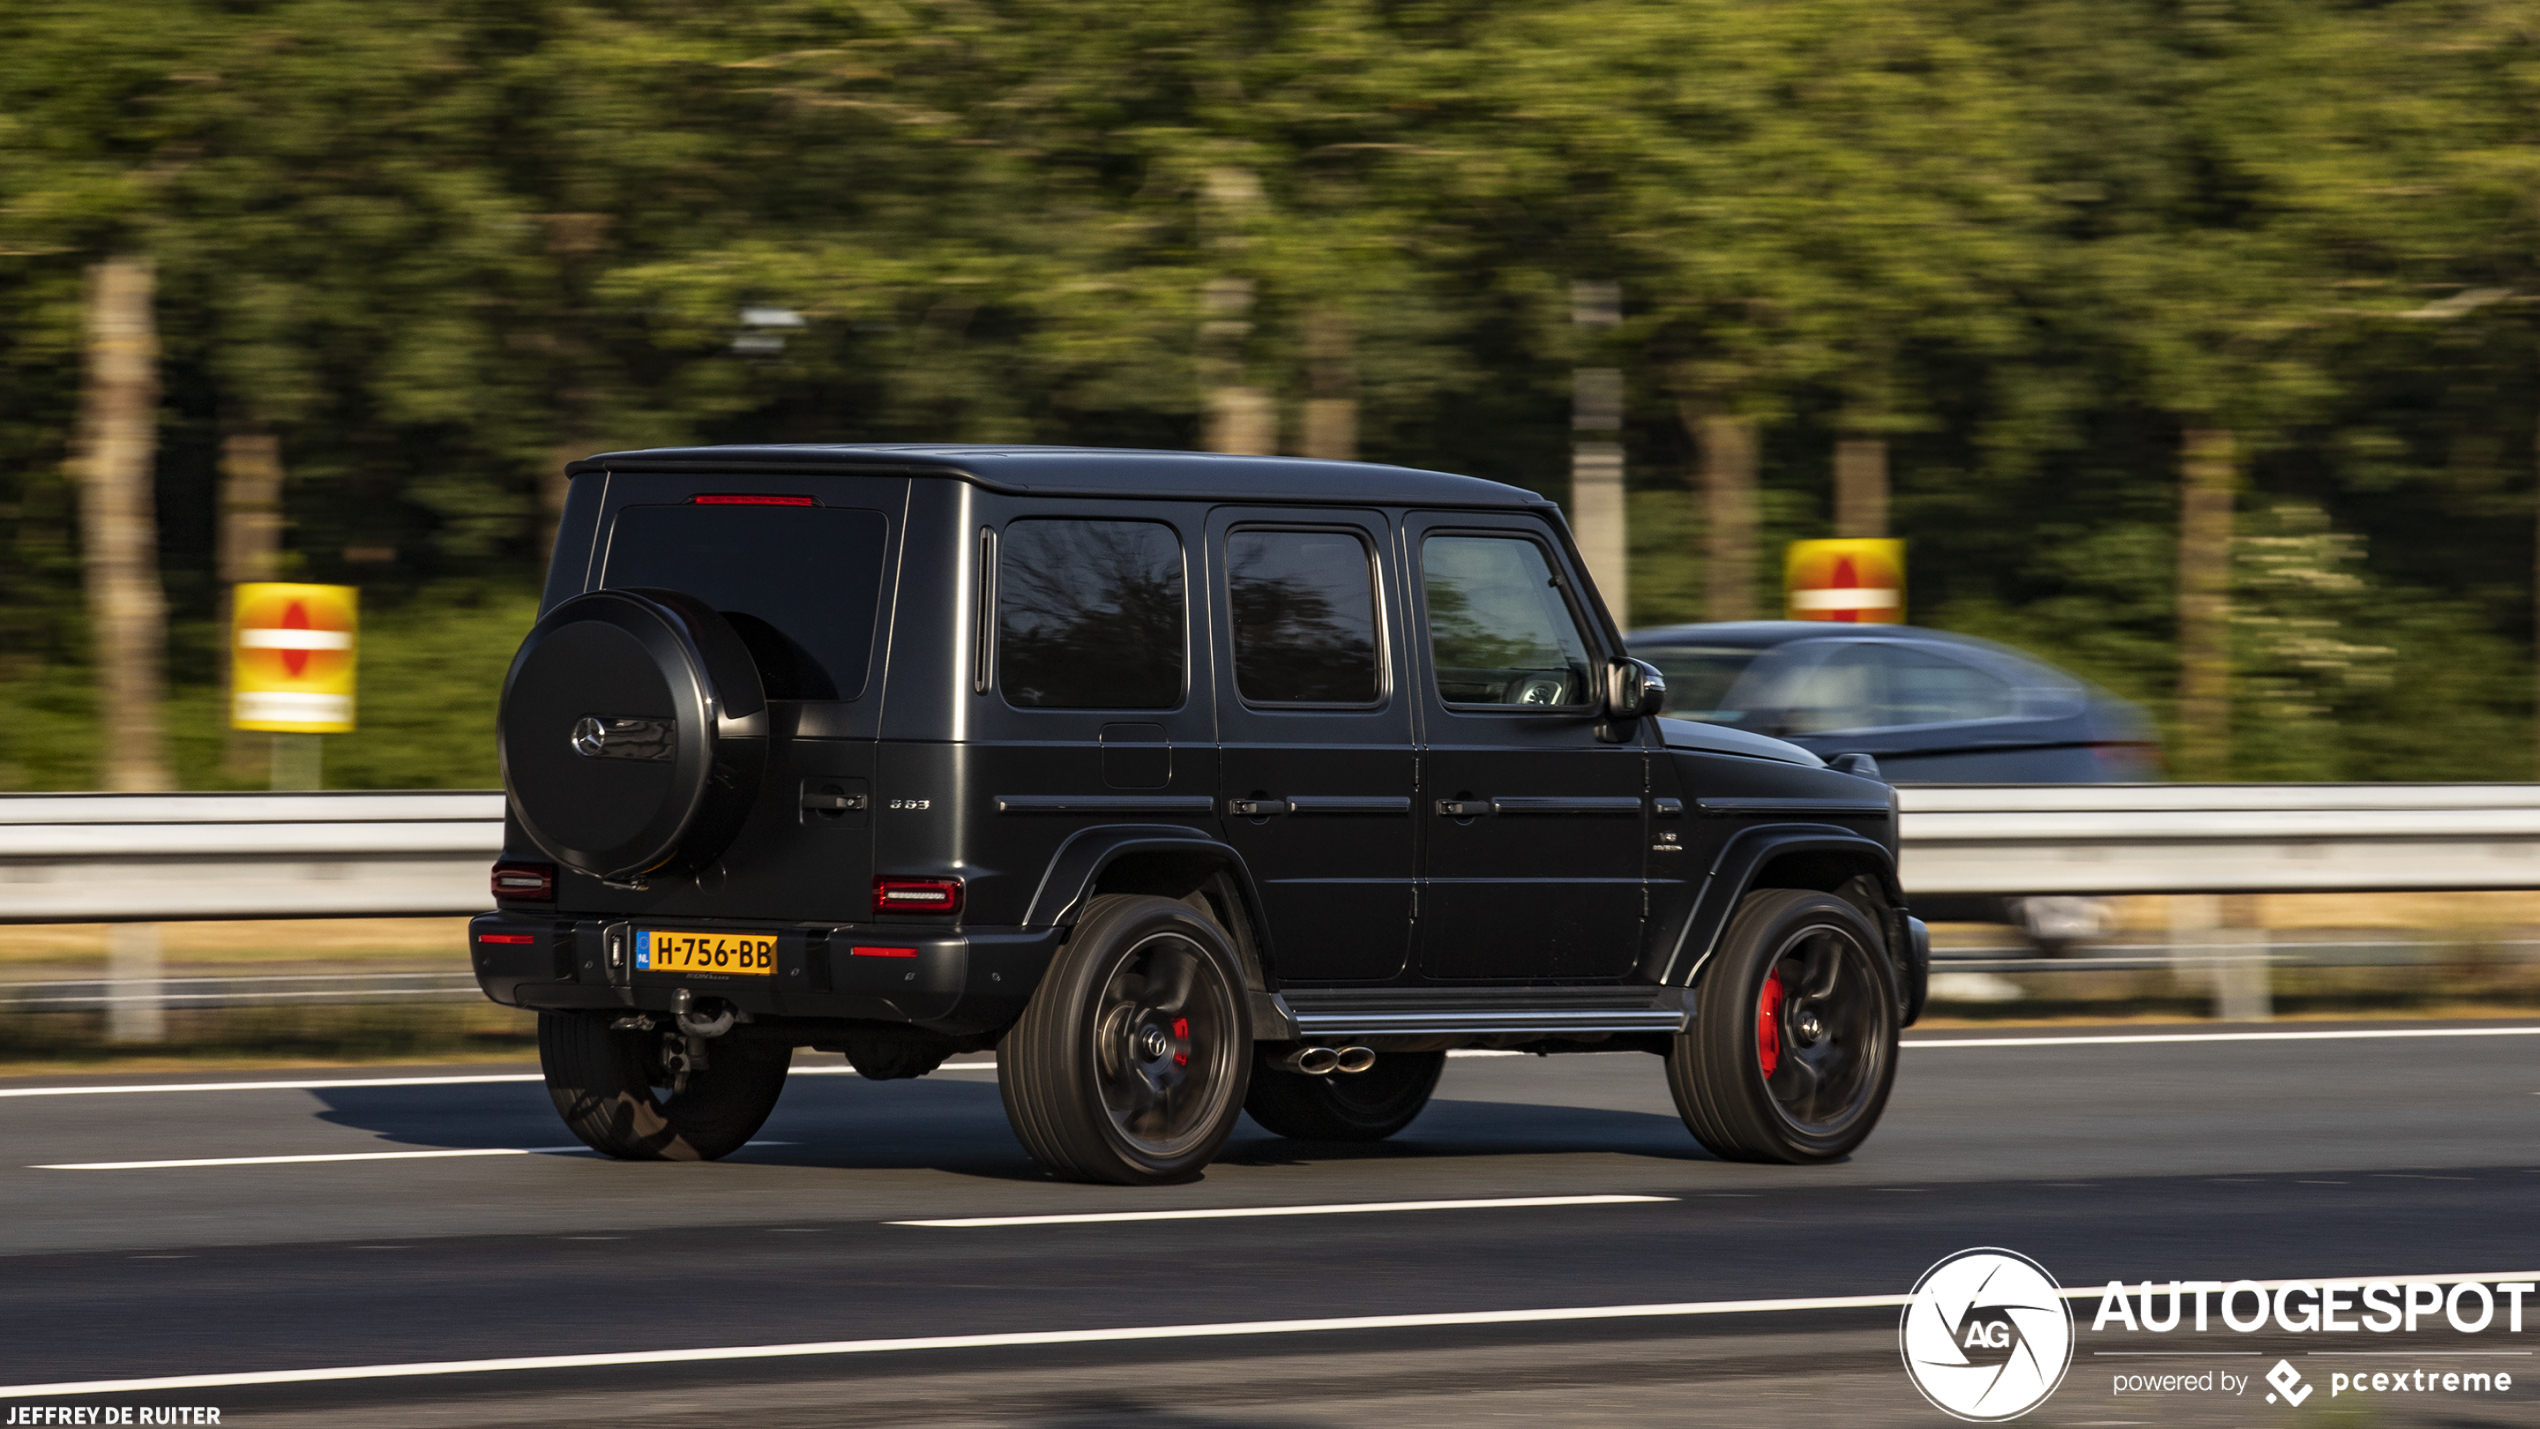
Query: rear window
point(1090, 615)
point(801, 584)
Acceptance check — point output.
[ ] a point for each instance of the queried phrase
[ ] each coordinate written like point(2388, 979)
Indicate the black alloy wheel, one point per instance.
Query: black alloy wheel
point(624, 1094)
point(1130, 1061)
point(1794, 1045)
point(1345, 1106)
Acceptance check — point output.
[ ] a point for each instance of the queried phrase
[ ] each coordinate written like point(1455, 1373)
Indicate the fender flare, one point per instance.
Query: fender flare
point(1733, 872)
point(1080, 861)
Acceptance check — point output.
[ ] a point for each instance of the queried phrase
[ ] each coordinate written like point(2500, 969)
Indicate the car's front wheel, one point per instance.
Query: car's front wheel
point(625, 1094)
point(1130, 1061)
point(1793, 1048)
point(1345, 1106)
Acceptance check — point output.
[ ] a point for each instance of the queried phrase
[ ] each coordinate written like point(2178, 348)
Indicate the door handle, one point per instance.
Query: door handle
point(1463, 808)
point(1579, 804)
point(1256, 808)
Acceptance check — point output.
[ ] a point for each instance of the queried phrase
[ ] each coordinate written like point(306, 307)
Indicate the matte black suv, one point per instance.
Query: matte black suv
point(1190, 784)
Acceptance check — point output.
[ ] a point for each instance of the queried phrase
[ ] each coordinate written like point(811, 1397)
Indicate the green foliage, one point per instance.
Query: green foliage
point(437, 246)
point(431, 671)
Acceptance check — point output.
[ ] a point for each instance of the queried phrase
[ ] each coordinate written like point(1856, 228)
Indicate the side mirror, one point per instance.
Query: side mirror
point(1633, 688)
point(1863, 765)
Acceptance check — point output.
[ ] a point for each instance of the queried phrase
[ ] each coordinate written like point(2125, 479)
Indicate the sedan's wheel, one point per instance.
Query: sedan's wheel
point(1130, 1061)
point(1794, 1045)
point(1345, 1106)
point(625, 1094)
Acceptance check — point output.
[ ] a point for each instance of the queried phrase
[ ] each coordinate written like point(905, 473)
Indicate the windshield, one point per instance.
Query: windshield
point(1699, 677)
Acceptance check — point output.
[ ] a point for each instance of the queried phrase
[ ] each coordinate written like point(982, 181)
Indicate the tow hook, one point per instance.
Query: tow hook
point(697, 1023)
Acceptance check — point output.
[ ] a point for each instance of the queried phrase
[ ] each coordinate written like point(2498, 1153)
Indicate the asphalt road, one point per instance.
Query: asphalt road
point(2216, 1158)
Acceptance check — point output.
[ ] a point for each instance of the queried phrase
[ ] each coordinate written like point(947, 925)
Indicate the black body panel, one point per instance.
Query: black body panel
point(1569, 888)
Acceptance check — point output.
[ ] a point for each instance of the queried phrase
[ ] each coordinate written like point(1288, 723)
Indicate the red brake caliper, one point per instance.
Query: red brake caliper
point(1182, 1035)
point(1768, 1024)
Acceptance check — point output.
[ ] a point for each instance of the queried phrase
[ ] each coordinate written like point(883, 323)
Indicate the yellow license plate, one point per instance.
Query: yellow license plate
point(742, 954)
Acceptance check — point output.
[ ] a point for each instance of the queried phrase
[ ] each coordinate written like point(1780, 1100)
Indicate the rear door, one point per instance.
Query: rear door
point(1314, 719)
point(1100, 700)
point(1534, 829)
point(801, 566)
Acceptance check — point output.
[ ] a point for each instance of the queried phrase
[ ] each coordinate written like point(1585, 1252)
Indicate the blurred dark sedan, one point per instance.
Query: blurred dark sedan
point(1931, 707)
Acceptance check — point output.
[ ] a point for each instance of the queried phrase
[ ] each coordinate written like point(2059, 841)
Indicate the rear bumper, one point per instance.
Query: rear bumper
point(962, 982)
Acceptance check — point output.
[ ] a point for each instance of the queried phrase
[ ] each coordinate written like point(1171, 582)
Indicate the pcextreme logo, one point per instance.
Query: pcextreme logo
point(1987, 1335)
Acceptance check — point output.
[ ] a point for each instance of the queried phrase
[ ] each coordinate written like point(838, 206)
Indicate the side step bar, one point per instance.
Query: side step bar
point(1369, 1024)
point(1546, 1011)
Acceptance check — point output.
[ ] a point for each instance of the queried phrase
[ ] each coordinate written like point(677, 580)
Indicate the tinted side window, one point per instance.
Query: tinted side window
point(800, 584)
point(1699, 678)
point(1924, 688)
point(1839, 692)
point(1090, 615)
point(1304, 610)
point(1499, 631)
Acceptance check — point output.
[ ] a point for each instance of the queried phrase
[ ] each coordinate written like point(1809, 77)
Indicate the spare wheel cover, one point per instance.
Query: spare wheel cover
point(616, 713)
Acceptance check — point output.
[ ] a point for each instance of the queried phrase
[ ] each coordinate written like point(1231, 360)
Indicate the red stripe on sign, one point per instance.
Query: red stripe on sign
point(884, 952)
point(506, 938)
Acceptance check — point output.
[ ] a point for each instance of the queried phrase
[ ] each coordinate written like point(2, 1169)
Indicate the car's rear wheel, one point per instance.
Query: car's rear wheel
point(1130, 1061)
point(1345, 1106)
point(1794, 1045)
point(621, 1093)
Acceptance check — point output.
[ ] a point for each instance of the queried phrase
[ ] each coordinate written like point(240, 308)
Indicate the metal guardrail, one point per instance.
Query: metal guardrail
point(103, 858)
point(2219, 838)
point(164, 857)
point(2107, 957)
point(283, 990)
point(140, 859)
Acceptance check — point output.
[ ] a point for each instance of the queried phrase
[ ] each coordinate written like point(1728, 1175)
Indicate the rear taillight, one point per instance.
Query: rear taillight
point(917, 895)
point(725, 498)
point(525, 882)
point(862, 951)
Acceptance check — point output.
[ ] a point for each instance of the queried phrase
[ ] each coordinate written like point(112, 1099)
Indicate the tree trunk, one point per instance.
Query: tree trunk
point(2210, 474)
point(250, 540)
point(1331, 384)
point(119, 542)
point(1860, 487)
point(553, 486)
point(1244, 421)
point(1598, 514)
point(1727, 446)
point(1240, 419)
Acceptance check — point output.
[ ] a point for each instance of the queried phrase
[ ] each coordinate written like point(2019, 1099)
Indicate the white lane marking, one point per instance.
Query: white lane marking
point(1239, 1212)
point(576, 1150)
point(1074, 1337)
point(946, 1342)
point(311, 1085)
point(303, 1160)
point(2227, 1037)
point(319, 1084)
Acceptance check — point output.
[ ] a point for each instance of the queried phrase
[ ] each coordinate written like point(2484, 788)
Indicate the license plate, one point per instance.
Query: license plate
point(741, 954)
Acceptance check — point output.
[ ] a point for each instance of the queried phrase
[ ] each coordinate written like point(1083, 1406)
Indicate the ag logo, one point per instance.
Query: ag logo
point(1987, 1335)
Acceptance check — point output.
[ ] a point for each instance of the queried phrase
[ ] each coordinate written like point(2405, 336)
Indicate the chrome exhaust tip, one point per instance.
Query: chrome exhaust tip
point(1312, 1061)
point(1354, 1059)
